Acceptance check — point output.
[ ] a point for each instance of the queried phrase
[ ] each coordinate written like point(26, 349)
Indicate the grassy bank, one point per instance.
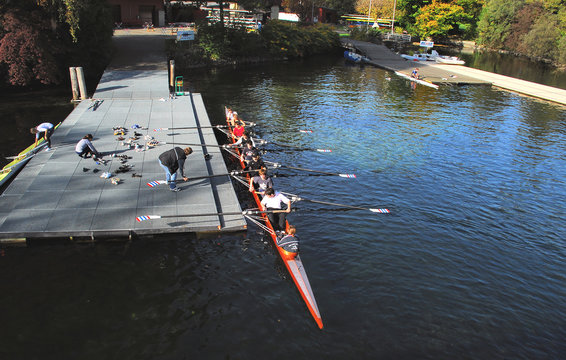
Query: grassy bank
point(217, 46)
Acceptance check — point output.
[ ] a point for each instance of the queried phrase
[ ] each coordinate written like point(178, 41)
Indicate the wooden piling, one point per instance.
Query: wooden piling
point(82, 83)
point(74, 83)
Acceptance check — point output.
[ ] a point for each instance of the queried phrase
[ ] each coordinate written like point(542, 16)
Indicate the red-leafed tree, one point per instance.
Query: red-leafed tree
point(27, 50)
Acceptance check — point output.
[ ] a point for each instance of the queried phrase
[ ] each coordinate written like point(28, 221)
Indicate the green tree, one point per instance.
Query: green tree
point(544, 37)
point(496, 20)
point(439, 20)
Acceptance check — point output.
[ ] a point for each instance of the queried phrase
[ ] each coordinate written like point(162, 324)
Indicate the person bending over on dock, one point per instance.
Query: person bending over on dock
point(415, 73)
point(261, 182)
point(272, 202)
point(85, 149)
point(248, 153)
point(173, 160)
point(289, 243)
point(44, 129)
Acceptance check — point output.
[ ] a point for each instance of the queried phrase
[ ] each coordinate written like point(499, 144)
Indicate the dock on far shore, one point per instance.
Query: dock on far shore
point(440, 74)
point(60, 195)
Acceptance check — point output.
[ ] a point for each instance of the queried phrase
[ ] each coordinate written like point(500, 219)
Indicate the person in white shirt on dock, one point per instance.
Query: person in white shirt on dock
point(85, 148)
point(273, 201)
point(46, 129)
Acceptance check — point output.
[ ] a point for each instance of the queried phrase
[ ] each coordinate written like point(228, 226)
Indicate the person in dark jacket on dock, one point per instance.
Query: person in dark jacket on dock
point(173, 160)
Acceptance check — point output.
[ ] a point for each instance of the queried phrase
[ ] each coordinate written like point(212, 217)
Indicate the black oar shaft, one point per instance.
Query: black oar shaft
point(334, 204)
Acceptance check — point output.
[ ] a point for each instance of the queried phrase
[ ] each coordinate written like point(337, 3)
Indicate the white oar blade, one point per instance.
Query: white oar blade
point(160, 129)
point(147, 217)
point(350, 176)
point(324, 150)
point(156, 183)
point(381, 211)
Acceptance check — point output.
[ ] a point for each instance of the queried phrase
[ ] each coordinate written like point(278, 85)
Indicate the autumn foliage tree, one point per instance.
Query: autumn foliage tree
point(439, 20)
point(39, 39)
point(27, 49)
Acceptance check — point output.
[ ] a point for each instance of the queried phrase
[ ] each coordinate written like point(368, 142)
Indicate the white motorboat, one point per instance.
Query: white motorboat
point(443, 59)
point(417, 57)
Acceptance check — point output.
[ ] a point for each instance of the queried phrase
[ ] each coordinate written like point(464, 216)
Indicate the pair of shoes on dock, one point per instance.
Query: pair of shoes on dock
point(175, 189)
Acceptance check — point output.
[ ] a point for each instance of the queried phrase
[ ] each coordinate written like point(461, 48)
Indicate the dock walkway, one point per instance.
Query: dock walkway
point(59, 194)
point(381, 56)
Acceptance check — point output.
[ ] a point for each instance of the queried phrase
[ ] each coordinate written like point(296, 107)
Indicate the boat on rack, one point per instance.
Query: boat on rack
point(417, 57)
point(294, 265)
point(434, 56)
point(21, 159)
point(418, 81)
point(354, 57)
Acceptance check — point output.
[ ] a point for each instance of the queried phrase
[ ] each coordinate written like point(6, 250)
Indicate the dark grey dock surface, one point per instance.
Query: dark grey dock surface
point(58, 194)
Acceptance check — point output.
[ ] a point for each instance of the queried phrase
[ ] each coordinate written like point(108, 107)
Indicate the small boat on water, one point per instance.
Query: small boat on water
point(355, 58)
point(21, 159)
point(294, 265)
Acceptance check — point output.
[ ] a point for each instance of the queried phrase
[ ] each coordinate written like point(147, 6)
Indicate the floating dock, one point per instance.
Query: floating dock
point(60, 195)
point(440, 74)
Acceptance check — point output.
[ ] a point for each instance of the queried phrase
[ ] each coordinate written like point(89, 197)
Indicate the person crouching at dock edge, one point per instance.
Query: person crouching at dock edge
point(85, 148)
point(289, 243)
point(272, 201)
point(173, 160)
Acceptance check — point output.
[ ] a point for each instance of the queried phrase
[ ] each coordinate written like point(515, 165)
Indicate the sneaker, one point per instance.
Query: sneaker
point(175, 189)
point(47, 149)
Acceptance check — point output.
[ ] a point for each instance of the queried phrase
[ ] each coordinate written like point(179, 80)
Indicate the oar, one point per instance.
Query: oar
point(276, 165)
point(297, 198)
point(245, 212)
point(295, 147)
point(191, 127)
point(189, 144)
point(162, 182)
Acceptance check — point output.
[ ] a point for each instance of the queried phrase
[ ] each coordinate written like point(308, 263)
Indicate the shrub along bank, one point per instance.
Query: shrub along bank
point(216, 45)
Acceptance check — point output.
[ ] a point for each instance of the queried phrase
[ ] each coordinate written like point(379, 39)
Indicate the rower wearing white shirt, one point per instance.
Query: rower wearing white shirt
point(273, 201)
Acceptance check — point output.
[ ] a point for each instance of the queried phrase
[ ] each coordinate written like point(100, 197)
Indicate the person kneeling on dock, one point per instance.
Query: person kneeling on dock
point(85, 149)
point(173, 160)
point(261, 182)
point(272, 202)
point(289, 243)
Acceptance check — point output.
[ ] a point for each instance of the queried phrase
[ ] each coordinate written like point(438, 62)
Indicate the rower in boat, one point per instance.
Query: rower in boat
point(230, 116)
point(248, 152)
point(256, 163)
point(289, 243)
point(239, 128)
point(273, 201)
point(245, 137)
point(261, 182)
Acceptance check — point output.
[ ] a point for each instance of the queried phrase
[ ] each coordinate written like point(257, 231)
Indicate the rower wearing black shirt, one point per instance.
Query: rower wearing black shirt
point(248, 152)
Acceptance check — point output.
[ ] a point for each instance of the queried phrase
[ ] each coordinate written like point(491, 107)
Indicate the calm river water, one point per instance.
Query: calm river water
point(470, 263)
